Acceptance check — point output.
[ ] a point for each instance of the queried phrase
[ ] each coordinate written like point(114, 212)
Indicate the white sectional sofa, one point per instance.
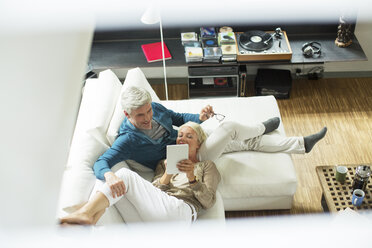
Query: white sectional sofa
point(250, 180)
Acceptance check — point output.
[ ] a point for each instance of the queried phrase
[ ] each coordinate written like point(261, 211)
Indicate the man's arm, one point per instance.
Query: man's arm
point(181, 118)
point(118, 152)
point(176, 119)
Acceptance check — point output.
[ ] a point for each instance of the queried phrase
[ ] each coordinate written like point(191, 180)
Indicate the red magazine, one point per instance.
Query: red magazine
point(153, 52)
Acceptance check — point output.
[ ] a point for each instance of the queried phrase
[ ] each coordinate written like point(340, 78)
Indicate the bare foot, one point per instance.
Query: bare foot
point(76, 219)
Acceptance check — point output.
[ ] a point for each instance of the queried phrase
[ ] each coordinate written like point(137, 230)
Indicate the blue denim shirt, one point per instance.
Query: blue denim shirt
point(132, 144)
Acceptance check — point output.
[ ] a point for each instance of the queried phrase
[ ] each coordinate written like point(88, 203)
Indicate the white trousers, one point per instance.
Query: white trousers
point(232, 137)
point(143, 202)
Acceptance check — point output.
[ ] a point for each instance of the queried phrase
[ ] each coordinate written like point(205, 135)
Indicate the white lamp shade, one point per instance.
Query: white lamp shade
point(151, 15)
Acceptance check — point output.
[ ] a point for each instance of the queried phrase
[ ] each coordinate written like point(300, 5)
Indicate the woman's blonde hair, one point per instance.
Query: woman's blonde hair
point(198, 130)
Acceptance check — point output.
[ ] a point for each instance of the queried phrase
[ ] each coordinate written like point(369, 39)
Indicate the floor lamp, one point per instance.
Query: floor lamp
point(152, 16)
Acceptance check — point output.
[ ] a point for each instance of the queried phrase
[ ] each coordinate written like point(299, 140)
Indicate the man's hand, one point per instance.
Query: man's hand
point(206, 113)
point(116, 185)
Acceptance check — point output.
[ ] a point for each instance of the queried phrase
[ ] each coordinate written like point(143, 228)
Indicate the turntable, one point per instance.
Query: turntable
point(258, 45)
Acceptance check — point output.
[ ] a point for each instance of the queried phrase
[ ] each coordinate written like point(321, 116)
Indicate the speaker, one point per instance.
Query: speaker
point(312, 49)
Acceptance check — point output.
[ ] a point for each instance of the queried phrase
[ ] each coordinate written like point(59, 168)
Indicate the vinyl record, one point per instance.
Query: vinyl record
point(220, 82)
point(256, 40)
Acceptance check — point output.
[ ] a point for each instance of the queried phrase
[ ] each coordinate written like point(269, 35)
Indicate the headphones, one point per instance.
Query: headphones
point(312, 49)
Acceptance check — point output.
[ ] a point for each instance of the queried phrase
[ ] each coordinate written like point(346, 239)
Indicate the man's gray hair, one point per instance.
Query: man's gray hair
point(134, 98)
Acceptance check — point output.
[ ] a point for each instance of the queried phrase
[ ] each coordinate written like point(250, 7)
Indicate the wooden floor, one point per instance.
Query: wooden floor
point(345, 107)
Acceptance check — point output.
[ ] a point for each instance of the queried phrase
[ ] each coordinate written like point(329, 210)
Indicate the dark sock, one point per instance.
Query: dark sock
point(311, 140)
point(271, 124)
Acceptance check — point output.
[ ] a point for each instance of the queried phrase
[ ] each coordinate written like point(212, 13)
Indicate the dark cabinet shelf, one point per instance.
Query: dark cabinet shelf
point(199, 88)
point(209, 92)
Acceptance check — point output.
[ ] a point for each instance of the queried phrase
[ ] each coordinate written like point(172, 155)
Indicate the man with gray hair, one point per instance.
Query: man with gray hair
point(143, 136)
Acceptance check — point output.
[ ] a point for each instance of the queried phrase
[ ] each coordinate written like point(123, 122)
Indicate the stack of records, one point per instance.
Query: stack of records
point(211, 47)
point(212, 54)
point(227, 38)
point(228, 53)
point(208, 37)
point(189, 38)
point(193, 54)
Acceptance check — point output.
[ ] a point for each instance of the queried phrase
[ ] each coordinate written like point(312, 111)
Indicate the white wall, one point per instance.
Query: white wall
point(42, 67)
point(363, 32)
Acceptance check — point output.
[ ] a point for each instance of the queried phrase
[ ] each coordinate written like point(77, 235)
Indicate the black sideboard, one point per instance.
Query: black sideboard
point(122, 48)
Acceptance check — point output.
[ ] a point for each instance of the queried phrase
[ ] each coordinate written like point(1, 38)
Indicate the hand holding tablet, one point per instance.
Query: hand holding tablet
point(176, 153)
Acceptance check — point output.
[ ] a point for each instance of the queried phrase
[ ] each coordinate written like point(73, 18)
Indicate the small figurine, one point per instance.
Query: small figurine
point(344, 33)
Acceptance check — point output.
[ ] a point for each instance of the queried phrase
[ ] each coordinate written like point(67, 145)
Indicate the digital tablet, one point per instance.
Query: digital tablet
point(176, 153)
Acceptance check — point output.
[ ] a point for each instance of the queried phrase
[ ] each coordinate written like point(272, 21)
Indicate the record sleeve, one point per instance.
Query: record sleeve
point(192, 44)
point(193, 52)
point(228, 49)
point(189, 36)
point(210, 42)
point(225, 29)
point(227, 38)
point(212, 52)
point(207, 32)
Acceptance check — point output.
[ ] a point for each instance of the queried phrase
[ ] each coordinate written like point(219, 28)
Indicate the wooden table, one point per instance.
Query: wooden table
point(337, 196)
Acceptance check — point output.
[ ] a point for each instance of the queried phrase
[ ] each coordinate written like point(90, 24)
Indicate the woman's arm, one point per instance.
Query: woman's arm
point(161, 178)
point(205, 188)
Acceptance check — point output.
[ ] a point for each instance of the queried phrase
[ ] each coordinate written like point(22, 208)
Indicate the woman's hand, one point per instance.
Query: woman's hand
point(165, 179)
point(116, 185)
point(206, 113)
point(187, 166)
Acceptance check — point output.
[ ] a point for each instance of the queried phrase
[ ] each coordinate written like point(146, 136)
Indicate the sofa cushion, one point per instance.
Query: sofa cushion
point(135, 77)
point(89, 139)
point(250, 174)
point(95, 113)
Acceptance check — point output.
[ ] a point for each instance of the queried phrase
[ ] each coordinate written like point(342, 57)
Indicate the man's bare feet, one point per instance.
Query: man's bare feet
point(76, 219)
